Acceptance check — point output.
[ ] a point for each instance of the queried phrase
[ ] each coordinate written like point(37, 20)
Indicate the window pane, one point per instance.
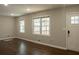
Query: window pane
point(76, 17)
point(36, 30)
point(48, 28)
point(75, 20)
point(45, 21)
point(21, 22)
point(72, 20)
point(36, 26)
point(36, 20)
point(45, 26)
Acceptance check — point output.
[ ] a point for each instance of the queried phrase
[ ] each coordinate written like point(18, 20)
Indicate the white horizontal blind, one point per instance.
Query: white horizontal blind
point(36, 26)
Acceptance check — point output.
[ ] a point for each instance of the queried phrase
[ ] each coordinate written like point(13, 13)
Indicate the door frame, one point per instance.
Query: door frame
point(68, 15)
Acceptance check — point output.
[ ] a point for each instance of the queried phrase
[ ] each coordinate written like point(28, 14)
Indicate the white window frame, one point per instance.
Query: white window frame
point(41, 25)
point(22, 19)
point(75, 20)
point(33, 26)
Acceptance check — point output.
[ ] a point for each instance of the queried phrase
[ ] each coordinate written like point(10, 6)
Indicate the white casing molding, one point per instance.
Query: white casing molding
point(7, 38)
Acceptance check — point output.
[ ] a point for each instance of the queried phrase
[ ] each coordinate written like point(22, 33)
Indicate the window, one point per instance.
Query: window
point(21, 24)
point(36, 29)
point(75, 20)
point(41, 25)
point(45, 26)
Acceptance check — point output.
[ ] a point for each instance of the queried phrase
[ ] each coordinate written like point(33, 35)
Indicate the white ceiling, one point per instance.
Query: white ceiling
point(20, 9)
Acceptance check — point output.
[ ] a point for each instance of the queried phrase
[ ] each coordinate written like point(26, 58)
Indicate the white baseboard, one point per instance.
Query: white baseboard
point(43, 43)
point(6, 38)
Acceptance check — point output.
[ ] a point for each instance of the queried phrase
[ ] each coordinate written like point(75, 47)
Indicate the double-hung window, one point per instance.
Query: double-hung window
point(36, 26)
point(41, 25)
point(45, 26)
point(21, 26)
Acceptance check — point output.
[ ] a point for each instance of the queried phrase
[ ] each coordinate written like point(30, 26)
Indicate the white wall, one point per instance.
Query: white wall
point(7, 26)
point(57, 26)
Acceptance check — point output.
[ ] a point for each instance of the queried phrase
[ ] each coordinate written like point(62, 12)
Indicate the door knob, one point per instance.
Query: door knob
point(68, 32)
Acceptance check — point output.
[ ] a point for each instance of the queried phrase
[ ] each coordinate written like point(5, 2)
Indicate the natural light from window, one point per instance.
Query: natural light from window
point(75, 20)
point(41, 25)
point(21, 23)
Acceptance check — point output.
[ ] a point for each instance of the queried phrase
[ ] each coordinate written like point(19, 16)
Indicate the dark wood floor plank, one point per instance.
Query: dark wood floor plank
point(22, 47)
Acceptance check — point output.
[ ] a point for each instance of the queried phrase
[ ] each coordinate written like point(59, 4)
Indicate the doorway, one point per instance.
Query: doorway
point(72, 33)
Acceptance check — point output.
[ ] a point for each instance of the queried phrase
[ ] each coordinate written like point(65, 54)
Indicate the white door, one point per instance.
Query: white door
point(73, 32)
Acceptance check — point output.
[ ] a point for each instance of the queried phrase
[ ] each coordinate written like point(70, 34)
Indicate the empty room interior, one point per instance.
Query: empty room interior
point(39, 29)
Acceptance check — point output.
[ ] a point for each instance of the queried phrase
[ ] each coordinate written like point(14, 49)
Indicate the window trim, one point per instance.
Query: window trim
point(40, 25)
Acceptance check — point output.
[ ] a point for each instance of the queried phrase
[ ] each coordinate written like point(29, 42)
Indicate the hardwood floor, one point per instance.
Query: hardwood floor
point(22, 47)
